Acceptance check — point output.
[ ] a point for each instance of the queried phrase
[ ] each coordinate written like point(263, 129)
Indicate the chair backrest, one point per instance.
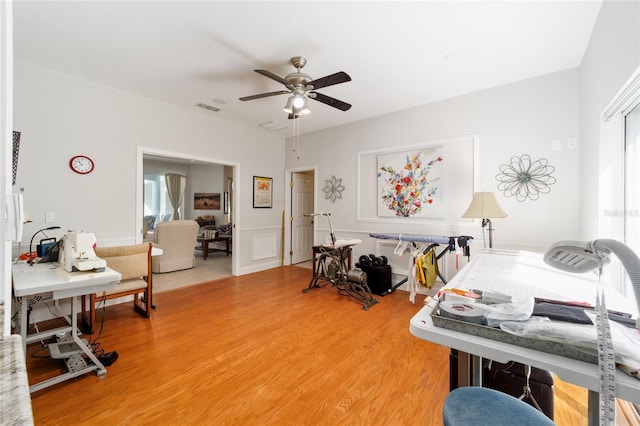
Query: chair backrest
point(176, 235)
point(131, 261)
point(177, 239)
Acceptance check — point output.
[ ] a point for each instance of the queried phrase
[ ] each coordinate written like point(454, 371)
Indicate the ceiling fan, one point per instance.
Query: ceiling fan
point(301, 88)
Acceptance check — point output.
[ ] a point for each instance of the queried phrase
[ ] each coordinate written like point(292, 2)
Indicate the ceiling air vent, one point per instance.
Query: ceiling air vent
point(273, 125)
point(209, 107)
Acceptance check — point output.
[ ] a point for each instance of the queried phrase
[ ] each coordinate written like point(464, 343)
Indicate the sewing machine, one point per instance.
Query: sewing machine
point(76, 253)
point(332, 267)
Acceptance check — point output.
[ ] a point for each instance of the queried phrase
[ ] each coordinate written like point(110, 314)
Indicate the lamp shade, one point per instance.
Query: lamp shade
point(289, 106)
point(484, 205)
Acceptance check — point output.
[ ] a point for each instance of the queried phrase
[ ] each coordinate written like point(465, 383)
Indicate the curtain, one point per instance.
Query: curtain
point(175, 191)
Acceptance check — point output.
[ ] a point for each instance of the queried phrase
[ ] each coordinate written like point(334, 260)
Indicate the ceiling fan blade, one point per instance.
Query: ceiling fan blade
point(343, 106)
point(330, 80)
point(293, 116)
point(264, 95)
point(272, 76)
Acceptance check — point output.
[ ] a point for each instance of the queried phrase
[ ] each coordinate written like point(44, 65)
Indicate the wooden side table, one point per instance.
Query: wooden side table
point(219, 239)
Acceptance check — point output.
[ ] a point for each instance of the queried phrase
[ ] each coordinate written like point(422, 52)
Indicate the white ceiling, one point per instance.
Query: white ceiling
point(398, 54)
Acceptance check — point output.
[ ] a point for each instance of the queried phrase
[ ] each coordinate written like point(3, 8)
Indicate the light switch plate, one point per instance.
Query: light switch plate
point(49, 217)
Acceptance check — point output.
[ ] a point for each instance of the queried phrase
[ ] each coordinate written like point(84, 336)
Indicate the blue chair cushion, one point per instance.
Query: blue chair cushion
point(472, 405)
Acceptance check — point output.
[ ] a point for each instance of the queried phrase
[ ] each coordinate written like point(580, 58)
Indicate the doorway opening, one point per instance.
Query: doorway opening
point(301, 203)
point(203, 175)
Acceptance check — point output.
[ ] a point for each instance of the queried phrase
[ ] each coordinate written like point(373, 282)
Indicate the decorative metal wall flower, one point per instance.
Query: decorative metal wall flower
point(333, 189)
point(523, 178)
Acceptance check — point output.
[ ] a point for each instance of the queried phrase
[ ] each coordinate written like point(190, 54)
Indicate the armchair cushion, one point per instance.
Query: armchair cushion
point(177, 239)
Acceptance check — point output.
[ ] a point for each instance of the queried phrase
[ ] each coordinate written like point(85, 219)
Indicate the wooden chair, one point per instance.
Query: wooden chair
point(134, 263)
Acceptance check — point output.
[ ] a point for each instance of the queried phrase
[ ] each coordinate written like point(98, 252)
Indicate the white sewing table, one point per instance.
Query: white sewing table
point(526, 274)
point(51, 280)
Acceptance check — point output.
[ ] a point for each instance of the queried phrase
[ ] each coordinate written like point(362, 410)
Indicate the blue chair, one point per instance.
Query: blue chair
point(472, 405)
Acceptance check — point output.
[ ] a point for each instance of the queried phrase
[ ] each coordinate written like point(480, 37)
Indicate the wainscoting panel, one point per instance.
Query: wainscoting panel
point(264, 246)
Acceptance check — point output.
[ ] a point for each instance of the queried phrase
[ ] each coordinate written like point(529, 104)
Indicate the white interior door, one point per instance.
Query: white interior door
point(301, 226)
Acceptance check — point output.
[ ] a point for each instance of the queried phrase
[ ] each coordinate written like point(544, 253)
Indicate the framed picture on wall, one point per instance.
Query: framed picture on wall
point(423, 183)
point(262, 192)
point(206, 201)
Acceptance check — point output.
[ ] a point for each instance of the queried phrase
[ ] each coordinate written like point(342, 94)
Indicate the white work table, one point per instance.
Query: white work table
point(525, 274)
point(50, 279)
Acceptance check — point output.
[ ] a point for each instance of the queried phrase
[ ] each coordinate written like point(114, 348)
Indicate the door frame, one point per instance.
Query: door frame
point(287, 206)
point(142, 151)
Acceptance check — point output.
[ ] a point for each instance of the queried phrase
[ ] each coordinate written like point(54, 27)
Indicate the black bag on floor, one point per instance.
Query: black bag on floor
point(378, 278)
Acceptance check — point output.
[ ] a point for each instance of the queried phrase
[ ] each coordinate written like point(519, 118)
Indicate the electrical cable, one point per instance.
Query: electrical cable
point(102, 306)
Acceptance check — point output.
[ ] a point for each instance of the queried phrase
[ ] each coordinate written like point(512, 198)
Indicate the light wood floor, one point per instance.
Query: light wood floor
point(255, 350)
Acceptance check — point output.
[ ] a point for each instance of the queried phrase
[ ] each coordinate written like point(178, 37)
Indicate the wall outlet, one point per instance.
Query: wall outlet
point(572, 143)
point(49, 217)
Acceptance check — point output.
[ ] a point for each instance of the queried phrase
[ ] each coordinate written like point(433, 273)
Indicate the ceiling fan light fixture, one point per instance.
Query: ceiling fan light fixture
point(299, 101)
point(289, 106)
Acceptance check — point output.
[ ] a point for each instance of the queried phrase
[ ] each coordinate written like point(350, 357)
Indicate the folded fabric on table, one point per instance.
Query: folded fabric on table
point(554, 311)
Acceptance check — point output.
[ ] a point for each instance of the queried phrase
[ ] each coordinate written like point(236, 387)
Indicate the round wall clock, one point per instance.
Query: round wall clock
point(81, 164)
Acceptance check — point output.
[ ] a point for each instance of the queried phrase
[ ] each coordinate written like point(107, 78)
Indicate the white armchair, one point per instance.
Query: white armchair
point(177, 239)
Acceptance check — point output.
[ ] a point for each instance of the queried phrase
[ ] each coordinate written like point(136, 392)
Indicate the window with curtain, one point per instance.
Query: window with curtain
point(620, 145)
point(156, 199)
point(632, 181)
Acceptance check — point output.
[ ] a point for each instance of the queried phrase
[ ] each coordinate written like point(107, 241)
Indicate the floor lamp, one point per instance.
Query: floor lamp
point(485, 206)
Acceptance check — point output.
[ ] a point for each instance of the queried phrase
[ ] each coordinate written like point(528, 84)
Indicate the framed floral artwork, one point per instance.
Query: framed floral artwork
point(410, 183)
point(427, 183)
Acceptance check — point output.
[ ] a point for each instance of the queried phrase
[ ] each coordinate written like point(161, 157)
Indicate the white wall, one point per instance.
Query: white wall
point(6, 144)
point(612, 56)
point(61, 116)
point(516, 119)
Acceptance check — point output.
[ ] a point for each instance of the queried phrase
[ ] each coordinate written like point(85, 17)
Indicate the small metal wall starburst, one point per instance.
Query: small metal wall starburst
point(523, 178)
point(333, 189)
